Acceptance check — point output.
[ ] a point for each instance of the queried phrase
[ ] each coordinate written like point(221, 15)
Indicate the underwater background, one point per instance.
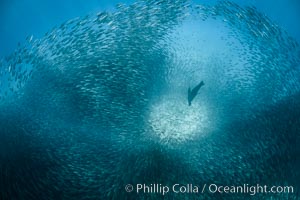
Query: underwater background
point(93, 96)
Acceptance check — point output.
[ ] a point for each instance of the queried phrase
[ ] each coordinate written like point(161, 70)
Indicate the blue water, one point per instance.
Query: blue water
point(20, 19)
point(93, 96)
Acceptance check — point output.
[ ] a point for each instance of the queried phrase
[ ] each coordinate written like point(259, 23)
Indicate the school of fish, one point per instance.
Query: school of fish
point(100, 101)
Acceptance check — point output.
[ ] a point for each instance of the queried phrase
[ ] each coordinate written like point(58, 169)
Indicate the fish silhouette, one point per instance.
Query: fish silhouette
point(192, 93)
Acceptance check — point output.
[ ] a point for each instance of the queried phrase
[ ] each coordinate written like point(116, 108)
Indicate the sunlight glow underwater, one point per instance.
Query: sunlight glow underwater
point(101, 101)
point(174, 121)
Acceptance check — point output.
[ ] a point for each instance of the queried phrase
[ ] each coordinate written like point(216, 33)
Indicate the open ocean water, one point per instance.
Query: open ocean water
point(100, 100)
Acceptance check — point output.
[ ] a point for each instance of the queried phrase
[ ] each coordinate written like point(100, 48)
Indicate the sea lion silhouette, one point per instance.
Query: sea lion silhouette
point(192, 93)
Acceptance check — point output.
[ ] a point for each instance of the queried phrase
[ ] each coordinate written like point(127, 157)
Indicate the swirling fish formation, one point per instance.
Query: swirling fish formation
point(101, 101)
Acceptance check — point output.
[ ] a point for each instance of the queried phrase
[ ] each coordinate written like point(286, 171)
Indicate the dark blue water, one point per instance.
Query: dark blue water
point(96, 99)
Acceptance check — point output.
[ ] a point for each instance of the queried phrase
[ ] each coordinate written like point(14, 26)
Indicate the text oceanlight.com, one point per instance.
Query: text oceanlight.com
point(210, 188)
